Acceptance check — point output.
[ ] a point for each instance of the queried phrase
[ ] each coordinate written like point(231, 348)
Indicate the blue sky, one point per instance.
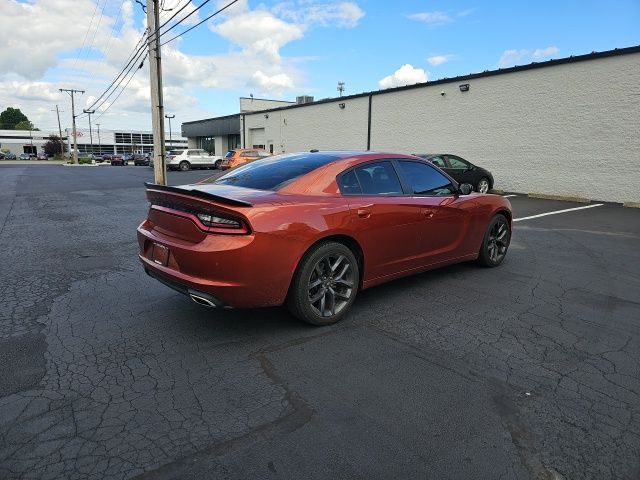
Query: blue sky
point(280, 49)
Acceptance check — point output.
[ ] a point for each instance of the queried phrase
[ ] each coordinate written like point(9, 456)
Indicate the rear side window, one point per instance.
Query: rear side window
point(378, 178)
point(424, 179)
point(273, 173)
point(439, 161)
point(348, 184)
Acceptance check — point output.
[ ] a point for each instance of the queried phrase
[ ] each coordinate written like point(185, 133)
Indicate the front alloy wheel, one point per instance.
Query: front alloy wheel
point(325, 284)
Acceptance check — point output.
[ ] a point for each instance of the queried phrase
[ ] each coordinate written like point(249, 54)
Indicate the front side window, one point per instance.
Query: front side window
point(378, 178)
point(424, 179)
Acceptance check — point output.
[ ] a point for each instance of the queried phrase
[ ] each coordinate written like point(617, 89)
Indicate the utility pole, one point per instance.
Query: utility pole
point(89, 112)
point(341, 87)
point(157, 107)
point(73, 116)
point(59, 131)
point(170, 134)
point(99, 142)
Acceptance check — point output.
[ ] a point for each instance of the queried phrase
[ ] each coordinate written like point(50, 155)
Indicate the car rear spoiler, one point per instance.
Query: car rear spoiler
point(197, 193)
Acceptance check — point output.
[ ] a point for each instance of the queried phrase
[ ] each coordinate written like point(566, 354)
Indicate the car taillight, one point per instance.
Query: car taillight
point(221, 224)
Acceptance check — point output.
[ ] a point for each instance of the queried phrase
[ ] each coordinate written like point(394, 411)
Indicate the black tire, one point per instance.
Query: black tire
point(495, 242)
point(217, 164)
point(483, 185)
point(324, 285)
point(184, 166)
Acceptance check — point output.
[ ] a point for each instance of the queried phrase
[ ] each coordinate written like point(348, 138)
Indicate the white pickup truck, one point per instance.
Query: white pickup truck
point(192, 158)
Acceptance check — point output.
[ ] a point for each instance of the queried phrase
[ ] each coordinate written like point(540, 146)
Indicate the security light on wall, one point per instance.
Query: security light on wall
point(266, 115)
point(341, 105)
point(464, 87)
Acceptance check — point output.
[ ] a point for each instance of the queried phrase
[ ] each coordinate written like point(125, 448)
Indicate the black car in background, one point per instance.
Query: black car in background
point(139, 159)
point(462, 171)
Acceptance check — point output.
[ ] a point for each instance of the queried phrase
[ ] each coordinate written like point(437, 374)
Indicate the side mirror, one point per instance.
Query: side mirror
point(465, 189)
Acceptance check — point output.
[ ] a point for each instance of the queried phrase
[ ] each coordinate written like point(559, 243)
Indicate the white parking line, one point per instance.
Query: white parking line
point(507, 196)
point(557, 211)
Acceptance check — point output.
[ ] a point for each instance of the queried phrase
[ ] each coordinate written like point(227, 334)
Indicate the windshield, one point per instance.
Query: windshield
point(229, 154)
point(274, 173)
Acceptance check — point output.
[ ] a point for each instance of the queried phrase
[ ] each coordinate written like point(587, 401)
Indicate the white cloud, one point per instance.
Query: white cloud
point(30, 90)
point(438, 59)
point(312, 13)
point(274, 83)
point(545, 52)
point(34, 34)
point(34, 66)
point(431, 17)
point(260, 32)
point(513, 57)
point(405, 75)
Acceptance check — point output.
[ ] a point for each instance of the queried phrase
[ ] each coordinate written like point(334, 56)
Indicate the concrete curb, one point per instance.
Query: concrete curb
point(31, 162)
point(544, 196)
point(79, 165)
point(631, 204)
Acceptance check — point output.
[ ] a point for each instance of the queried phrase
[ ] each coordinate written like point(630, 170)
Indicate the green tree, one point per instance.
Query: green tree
point(25, 125)
point(11, 117)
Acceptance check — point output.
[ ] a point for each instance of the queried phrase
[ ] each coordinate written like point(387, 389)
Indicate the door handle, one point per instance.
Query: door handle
point(364, 213)
point(428, 213)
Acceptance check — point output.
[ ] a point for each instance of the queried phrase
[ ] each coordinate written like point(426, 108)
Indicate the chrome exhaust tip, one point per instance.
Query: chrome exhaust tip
point(202, 301)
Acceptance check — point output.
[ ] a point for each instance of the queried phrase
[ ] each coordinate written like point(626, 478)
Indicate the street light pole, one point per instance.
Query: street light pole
point(99, 142)
point(170, 134)
point(89, 112)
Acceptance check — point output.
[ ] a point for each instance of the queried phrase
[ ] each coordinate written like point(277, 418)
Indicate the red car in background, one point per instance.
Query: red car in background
point(310, 230)
point(118, 160)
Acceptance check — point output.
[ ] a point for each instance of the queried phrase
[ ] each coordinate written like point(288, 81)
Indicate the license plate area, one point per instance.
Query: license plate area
point(160, 254)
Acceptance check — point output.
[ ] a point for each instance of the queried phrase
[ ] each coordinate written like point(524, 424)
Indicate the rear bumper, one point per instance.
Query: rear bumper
point(236, 271)
point(184, 289)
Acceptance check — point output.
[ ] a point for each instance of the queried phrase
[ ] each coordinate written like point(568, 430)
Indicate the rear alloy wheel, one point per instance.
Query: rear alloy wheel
point(496, 242)
point(217, 164)
point(483, 185)
point(184, 166)
point(325, 284)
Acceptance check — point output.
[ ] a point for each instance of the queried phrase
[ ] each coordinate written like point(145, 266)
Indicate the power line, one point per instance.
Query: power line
point(138, 49)
point(117, 97)
point(199, 23)
point(85, 36)
point(132, 59)
point(183, 18)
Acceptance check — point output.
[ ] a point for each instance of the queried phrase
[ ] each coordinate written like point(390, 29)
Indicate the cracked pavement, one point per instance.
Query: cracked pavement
point(531, 370)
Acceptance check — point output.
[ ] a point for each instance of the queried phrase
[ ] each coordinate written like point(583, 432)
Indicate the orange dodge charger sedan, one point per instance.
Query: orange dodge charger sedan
point(310, 230)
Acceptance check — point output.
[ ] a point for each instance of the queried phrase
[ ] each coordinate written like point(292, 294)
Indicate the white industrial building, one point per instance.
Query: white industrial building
point(567, 127)
point(98, 141)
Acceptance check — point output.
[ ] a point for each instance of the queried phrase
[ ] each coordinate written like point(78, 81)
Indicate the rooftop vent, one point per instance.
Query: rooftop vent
point(304, 99)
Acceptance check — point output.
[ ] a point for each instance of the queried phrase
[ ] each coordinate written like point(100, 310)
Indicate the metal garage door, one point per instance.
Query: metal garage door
point(256, 137)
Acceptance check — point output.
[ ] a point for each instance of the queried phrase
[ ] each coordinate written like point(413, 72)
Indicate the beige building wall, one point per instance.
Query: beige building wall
point(570, 129)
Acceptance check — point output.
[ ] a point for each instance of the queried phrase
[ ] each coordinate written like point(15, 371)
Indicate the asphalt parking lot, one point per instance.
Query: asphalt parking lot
point(531, 370)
